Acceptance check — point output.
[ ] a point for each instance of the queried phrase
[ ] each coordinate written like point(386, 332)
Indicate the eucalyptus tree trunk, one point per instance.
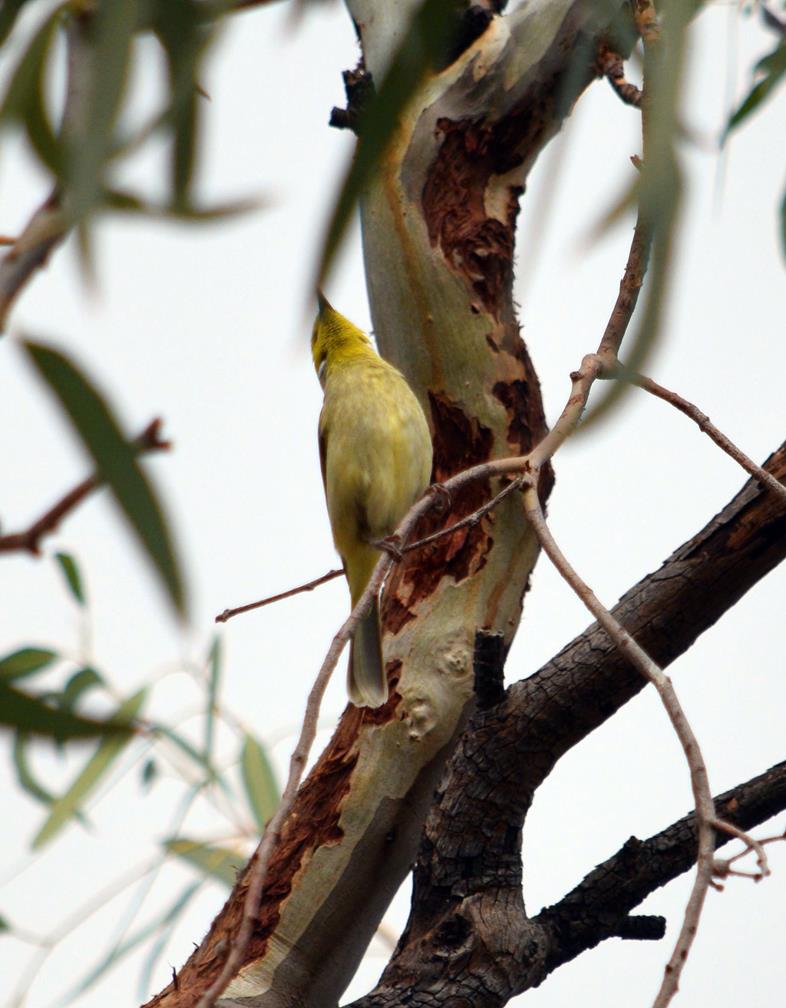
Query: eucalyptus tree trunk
point(438, 222)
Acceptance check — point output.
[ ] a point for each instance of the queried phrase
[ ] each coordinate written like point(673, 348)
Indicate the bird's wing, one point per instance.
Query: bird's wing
point(323, 451)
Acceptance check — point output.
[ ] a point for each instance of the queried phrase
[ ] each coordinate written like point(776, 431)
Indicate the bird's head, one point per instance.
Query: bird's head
point(334, 338)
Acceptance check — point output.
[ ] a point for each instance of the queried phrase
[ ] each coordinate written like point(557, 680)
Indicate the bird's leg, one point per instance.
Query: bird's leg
point(391, 544)
point(444, 500)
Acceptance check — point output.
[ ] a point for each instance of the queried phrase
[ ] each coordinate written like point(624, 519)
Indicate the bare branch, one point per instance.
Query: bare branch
point(148, 441)
point(705, 810)
point(45, 230)
point(706, 426)
point(227, 614)
point(49, 225)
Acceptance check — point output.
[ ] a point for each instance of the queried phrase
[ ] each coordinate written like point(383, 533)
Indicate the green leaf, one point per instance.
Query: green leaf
point(4, 925)
point(122, 949)
point(259, 780)
point(131, 203)
point(185, 746)
point(149, 773)
point(25, 662)
point(25, 99)
point(24, 775)
point(96, 767)
point(112, 34)
point(179, 27)
point(429, 37)
point(29, 70)
point(773, 66)
point(115, 459)
point(8, 14)
point(213, 679)
point(80, 682)
point(219, 863)
point(28, 713)
point(166, 928)
point(70, 571)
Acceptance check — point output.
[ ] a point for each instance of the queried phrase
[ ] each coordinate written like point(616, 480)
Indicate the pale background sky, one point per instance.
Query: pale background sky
point(208, 326)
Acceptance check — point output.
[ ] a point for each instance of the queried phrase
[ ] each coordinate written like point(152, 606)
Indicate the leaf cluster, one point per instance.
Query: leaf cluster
point(73, 119)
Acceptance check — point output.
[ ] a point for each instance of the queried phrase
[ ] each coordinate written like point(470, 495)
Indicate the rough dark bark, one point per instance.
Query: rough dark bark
point(599, 907)
point(468, 935)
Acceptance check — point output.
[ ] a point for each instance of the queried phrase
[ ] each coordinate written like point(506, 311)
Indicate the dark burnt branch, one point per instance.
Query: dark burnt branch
point(598, 907)
point(359, 89)
point(468, 934)
point(29, 540)
point(461, 949)
point(610, 66)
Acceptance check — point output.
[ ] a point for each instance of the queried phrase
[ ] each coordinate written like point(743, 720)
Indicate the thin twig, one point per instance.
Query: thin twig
point(610, 66)
point(227, 614)
point(702, 795)
point(45, 230)
point(723, 868)
point(470, 519)
point(706, 426)
point(149, 440)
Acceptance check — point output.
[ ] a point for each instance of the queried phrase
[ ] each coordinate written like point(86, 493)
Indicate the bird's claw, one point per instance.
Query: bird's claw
point(390, 544)
point(444, 500)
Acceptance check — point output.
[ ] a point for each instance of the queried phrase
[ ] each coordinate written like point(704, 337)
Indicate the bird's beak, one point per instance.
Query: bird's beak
point(322, 301)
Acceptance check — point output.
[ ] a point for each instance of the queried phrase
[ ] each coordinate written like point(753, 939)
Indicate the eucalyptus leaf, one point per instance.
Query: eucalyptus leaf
point(179, 26)
point(71, 573)
point(773, 68)
point(115, 459)
point(29, 69)
point(65, 807)
point(79, 683)
point(29, 713)
point(166, 930)
point(9, 11)
point(103, 81)
point(122, 949)
point(219, 863)
point(127, 202)
point(24, 775)
point(213, 680)
point(259, 779)
point(24, 662)
point(430, 36)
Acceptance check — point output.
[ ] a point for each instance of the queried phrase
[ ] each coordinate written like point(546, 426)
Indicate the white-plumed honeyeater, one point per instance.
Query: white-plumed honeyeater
point(375, 450)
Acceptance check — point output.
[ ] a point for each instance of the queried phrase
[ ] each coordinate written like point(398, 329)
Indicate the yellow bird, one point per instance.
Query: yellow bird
point(375, 450)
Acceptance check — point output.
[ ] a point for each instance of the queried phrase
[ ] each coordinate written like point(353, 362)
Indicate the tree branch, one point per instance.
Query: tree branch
point(49, 225)
point(227, 614)
point(601, 903)
point(148, 441)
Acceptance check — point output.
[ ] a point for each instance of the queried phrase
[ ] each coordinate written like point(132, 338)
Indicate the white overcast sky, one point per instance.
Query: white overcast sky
point(208, 326)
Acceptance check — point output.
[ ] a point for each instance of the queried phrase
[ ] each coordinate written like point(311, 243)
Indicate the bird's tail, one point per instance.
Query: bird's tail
point(367, 683)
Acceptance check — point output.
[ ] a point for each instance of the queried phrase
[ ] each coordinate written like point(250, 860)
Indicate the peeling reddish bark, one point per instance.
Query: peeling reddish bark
point(317, 823)
point(476, 246)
